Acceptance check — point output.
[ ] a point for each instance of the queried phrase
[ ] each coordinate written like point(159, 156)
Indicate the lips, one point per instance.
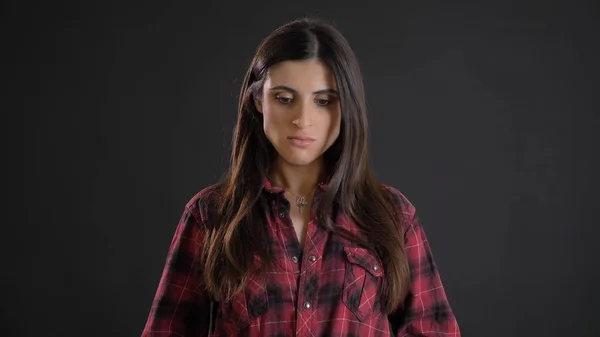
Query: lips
point(301, 141)
point(304, 139)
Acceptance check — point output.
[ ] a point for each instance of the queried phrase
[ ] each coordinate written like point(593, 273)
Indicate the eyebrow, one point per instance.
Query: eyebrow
point(286, 88)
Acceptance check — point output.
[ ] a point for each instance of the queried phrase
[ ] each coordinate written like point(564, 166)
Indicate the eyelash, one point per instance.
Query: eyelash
point(288, 100)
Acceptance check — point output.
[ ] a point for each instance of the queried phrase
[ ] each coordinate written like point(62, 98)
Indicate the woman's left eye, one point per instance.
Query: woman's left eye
point(284, 100)
point(322, 102)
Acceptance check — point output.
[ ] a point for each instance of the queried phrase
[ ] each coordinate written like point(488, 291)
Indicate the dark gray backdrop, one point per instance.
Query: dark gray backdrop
point(482, 113)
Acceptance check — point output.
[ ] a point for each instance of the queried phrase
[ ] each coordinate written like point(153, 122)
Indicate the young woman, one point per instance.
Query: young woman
point(299, 238)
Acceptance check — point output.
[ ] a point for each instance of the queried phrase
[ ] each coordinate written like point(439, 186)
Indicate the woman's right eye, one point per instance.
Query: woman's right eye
point(284, 100)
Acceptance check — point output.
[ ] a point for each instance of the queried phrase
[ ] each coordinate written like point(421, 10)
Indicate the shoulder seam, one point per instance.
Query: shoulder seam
point(197, 205)
point(403, 205)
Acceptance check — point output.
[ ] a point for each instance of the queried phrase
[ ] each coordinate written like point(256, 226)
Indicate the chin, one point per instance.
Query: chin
point(298, 162)
point(298, 159)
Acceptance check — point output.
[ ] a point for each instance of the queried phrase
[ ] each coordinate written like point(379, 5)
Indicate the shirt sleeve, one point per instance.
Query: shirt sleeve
point(426, 312)
point(180, 307)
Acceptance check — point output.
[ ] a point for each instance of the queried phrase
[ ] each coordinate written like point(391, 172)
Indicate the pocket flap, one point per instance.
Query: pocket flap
point(364, 258)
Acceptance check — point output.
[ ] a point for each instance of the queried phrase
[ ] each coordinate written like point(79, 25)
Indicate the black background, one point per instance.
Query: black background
point(484, 114)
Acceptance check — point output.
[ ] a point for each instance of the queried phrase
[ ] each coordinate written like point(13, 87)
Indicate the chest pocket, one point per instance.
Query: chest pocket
point(247, 305)
point(362, 283)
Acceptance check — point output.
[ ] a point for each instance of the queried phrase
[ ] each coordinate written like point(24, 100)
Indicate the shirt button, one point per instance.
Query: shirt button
point(375, 267)
point(282, 215)
point(295, 259)
point(307, 305)
point(312, 258)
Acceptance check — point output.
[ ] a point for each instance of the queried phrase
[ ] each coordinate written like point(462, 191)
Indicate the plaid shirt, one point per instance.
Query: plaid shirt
point(330, 289)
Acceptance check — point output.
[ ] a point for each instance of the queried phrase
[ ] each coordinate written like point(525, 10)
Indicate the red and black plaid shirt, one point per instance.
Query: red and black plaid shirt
point(329, 289)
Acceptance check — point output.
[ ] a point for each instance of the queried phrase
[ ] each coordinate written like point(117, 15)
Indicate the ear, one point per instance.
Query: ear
point(258, 104)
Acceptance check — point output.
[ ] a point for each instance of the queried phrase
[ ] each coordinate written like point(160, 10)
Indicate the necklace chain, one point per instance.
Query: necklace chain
point(300, 200)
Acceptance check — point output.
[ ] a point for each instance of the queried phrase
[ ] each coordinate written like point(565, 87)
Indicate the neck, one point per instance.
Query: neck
point(300, 180)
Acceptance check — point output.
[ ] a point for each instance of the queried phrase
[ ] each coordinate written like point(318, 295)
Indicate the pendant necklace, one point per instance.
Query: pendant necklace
point(300, 200)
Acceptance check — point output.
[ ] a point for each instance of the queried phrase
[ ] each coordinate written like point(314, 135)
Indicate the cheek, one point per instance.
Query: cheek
point(272, 122)
point(266, 120)
point(334, 126)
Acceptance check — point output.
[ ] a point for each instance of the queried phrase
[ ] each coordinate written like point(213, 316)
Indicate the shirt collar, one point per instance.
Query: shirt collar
point(340, 220)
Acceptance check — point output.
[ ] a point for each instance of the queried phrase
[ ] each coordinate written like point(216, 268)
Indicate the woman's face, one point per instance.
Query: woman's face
point(301, 110)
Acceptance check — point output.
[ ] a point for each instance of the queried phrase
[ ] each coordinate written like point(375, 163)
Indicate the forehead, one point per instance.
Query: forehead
point(305, 75)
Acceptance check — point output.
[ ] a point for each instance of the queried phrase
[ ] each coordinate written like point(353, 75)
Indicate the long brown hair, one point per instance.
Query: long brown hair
point(237, 232)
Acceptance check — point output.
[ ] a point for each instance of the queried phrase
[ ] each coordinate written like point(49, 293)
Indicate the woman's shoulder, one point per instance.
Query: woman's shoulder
point(203, 202)
point(402, 204)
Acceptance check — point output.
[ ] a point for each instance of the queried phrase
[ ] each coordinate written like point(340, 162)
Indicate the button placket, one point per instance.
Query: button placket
point(282, 207)
point(308, 296)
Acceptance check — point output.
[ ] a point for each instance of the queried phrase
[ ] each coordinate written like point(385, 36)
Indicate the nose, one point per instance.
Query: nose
point(304, 116)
